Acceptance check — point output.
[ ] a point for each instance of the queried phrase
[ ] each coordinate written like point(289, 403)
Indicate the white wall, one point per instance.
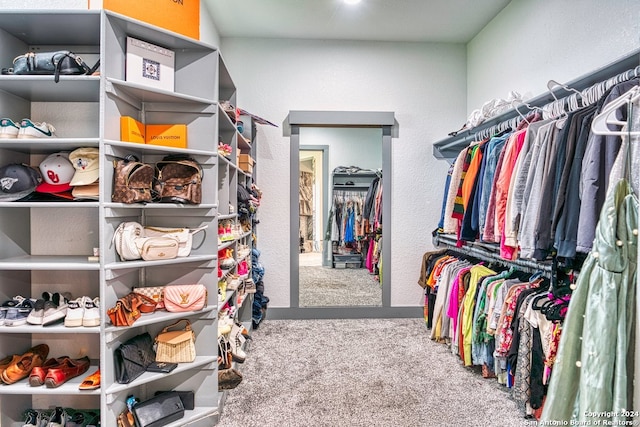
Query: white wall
point(531, 42)
point(361, 147)
point(424, 84)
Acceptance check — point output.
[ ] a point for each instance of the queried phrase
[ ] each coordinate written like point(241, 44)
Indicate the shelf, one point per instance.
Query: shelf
point(148, 377)
point(57, 328)
point(48, 145)
point(68, 388)
point(226, 245)
point(60, 204)
point(208, 156)
point(52, 27)
point(157, 99)
point(48, 262)
point(43, 88)
point(202, 206)
point(119, 265)
point(197, 414)
point(160, 316)
point(229, 216)
point(227, 299)
point(243, 143)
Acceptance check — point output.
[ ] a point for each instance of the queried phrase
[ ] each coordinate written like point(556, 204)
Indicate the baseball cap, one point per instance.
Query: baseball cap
point(17, 181)
point(86, 162)
point(56, 171)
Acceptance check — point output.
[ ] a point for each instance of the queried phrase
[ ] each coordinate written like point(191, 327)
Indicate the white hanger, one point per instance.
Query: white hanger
point(600, 123)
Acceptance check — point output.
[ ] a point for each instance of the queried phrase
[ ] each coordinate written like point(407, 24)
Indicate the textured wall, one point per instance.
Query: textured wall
point(424, 84)
point(531, 42)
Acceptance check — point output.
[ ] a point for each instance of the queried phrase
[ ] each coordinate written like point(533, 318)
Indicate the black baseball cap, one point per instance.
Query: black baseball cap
point(17, 181)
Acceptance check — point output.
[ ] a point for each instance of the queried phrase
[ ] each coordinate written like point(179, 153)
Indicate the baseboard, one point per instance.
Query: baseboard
point(343, 313)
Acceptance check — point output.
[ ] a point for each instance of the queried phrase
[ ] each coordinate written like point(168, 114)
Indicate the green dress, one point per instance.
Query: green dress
point(593, 374)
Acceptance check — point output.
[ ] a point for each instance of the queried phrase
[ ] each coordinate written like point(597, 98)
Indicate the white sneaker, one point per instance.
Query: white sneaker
point(8, 129)
point(91, 312)
point(75, 312)
point(56, 308)
point(29, 129)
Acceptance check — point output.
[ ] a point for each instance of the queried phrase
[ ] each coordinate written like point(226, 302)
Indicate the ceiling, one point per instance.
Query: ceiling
point(451, 21)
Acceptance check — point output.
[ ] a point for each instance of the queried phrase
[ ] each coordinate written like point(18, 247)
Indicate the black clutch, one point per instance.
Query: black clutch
point(162, 367)
point(132, 358)
point(187, 397)
point(159, 411)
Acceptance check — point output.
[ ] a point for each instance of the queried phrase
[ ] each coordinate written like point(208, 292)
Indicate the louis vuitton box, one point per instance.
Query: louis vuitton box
point(150, 65)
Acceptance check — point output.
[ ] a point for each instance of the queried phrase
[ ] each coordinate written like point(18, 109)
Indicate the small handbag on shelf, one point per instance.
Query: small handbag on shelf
point(184, 236)
point(156, 293)
point(132, 357)
point(182, 298)
point(62, 62)
point(159, 410)
point(129, 308)
point(176, 346)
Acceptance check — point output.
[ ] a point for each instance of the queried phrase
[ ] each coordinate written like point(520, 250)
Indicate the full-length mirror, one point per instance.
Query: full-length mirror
point(340, 216)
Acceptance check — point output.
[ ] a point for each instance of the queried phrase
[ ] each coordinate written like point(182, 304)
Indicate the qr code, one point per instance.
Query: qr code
point(150, 69)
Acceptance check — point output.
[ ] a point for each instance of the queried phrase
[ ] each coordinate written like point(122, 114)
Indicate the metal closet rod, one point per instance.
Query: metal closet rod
point(485, 254)
point(626, 64)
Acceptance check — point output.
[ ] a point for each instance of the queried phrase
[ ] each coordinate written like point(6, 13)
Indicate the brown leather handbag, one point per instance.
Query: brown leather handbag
point(179, 180)
point(132, 181)
point(129, 308)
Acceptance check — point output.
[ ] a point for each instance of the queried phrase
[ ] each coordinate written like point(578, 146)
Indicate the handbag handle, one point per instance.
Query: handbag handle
point(186, 328)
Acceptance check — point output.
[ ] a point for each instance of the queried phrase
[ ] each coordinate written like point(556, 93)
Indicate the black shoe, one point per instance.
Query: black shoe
point(32, 418)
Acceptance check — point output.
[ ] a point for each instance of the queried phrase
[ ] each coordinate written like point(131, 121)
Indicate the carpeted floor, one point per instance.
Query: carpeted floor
point(330, 287)
point(369, 372)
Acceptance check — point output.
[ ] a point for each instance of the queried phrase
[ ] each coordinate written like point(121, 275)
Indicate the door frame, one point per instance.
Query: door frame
point(325, 192)
point(357, 119)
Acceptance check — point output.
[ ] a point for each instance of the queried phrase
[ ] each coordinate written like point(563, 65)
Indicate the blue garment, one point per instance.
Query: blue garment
point(496, 144)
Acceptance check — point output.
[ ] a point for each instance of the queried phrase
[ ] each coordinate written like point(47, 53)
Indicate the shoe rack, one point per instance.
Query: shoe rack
point(230, 176)
point(45, 246)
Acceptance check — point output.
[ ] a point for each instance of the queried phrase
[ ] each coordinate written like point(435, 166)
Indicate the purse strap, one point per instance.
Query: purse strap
point(187, 326)
point(147, 305)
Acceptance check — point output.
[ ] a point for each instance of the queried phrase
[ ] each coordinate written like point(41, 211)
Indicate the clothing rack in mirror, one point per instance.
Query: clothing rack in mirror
point(449, 148)
point(488, 252)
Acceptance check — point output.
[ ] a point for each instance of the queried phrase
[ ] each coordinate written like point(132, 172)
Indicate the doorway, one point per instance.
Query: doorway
point(383, 123)
point(313, 204)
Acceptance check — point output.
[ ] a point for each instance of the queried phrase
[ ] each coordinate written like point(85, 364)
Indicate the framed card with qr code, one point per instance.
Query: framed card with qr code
point(150, 65)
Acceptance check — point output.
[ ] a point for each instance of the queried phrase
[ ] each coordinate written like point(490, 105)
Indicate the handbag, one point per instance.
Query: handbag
point(158, 411)
point(228, 379)
point(129, 308)
point(181, 298)
point(132, 181)
point(176, 346)
point(156, 293)
point(157, 248)
point(132, 358)
point(187, 397)
point(132, 244)
point(179, 180)
point(57, 63)
point(183, 235)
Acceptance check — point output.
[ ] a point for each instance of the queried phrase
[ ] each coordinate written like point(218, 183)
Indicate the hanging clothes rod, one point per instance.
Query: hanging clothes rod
point(449, 148)
point(484, 252)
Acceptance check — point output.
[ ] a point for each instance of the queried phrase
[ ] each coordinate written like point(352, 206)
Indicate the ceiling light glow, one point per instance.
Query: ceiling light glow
point(352, 1)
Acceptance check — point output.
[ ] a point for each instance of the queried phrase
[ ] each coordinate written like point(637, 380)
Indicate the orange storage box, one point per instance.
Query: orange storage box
point(167, 135)
point(131, 130)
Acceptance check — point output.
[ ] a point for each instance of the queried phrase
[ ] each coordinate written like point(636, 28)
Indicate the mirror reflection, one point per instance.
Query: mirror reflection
point(340, 192)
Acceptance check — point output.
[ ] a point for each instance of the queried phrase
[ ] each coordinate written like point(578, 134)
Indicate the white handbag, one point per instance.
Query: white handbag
point(124, 239)
point(184, 236)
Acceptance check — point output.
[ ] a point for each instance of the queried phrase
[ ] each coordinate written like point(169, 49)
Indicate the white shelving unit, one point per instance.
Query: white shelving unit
point(44, 245)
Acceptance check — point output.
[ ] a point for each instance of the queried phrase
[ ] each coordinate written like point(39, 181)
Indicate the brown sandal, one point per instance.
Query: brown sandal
point(92, 382)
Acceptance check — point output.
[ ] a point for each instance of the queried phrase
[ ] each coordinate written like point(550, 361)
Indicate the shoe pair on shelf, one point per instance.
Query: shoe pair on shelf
point(83, 311)
point(61, 417)
point(57, 371)
point(26, 129)
point(17, 367)
point(49, 309)
point(15, 311)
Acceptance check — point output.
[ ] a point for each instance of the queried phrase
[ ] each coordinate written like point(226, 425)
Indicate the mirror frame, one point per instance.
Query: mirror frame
point(358, 119)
